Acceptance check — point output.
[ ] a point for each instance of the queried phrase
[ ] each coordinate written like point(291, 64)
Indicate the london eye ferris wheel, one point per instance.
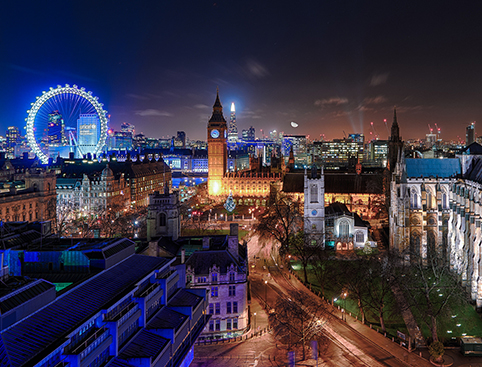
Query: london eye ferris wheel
point(66, 119)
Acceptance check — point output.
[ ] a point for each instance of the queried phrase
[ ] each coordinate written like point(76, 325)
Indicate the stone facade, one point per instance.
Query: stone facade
point(27, 194)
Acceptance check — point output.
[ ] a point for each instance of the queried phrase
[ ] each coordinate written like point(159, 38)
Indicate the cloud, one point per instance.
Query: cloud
point(201, 106)
point(136, 96)
point(375, 100)
point(26, 70)
point(153, 112)
point(378, 79)
point(255, 69)
point(333, 101)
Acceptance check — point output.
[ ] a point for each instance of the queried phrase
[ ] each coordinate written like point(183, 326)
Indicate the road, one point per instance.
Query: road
point(346, 346)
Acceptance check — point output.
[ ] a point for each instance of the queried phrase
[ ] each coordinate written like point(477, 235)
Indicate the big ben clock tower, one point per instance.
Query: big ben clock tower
point(217, 149)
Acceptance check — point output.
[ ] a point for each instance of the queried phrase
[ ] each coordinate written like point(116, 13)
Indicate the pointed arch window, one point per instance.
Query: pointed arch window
point(314, 194)
point(445, 199)
point(162, 220)
point(344, 228)
point(414, 199)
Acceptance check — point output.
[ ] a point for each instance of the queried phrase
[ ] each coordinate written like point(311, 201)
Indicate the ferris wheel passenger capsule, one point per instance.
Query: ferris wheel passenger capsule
point(67, 85)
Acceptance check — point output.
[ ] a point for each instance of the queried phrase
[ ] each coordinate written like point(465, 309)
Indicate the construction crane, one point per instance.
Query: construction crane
point(375, 134)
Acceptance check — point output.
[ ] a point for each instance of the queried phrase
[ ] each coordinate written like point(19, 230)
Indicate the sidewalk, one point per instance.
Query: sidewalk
point(399, 352)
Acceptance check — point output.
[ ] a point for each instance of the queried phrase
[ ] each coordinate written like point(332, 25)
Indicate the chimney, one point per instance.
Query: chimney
point(71, 155)
point(183, 256)
point(206, 243)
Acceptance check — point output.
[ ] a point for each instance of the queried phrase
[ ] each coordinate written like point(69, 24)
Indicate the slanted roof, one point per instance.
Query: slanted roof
point(201, 261)
point(38, 335)
point(433, 167)
point(24, 294)
point(474, 171)
point(144, 345)
point(185, 298)
point(473, 149)
point(116, 362)
point(167, 319)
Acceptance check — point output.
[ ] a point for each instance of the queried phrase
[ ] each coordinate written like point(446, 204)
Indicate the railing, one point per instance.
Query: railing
point(121, 313)
point(78, 347)
point(145, 292)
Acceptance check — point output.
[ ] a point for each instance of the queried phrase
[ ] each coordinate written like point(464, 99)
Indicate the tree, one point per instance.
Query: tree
point(431, 289)
point(354, 281)
point(281, 221)
point(321, 269)
point(378, 290)
point(300, 246)
point(298, 319)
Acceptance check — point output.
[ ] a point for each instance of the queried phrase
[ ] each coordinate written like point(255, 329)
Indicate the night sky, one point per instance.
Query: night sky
point(332, 67)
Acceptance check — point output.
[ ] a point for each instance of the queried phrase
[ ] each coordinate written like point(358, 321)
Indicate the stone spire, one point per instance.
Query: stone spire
point(395, 132)
point(217, 115)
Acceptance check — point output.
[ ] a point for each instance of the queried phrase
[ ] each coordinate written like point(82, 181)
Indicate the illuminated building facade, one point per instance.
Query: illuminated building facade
point(249, 134)
point(26, 194)
point(217, 149)
point(56, 129)
point(88, 133)
point(12, 140)
point(314, 205)
point(338, 153)
point(233, 128)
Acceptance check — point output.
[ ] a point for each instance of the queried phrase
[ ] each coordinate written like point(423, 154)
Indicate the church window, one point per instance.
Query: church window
point(314, 194)
point(445, 201)
point(162, 220)
point(359, 237)
point(414, 199)
point(344, 228)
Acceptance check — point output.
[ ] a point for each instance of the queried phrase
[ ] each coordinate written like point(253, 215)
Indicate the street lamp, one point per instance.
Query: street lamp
point(255, 322)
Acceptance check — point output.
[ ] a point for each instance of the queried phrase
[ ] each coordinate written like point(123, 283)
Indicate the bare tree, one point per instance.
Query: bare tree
point(378, 290)
point(431, 289)
point(300, 245)
point(323, 273)
point(281, 221)
point(356, 274)
point(298, 319)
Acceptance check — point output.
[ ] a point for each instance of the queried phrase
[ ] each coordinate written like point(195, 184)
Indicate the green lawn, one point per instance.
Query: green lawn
point(393, 320)
point(465, 321)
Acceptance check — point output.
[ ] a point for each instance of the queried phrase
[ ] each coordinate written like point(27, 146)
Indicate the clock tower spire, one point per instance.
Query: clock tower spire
point(217, 148)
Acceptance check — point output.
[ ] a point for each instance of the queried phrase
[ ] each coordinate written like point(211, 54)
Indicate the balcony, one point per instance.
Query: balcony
point(95, 337)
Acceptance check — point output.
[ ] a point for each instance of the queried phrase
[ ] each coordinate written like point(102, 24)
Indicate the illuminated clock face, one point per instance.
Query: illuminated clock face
point(314, 212)
point(214, 134)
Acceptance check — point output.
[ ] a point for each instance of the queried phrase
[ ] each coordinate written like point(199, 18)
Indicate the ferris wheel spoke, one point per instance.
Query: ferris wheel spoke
point(70, 103)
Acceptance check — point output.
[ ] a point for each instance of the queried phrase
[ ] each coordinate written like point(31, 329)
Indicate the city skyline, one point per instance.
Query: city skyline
point(331, 68)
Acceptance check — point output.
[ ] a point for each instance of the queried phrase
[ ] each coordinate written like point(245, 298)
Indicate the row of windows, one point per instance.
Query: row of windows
point(215, 291)
point(216, 324)
point(214, 278)
point(17, 207)
point(215, 308)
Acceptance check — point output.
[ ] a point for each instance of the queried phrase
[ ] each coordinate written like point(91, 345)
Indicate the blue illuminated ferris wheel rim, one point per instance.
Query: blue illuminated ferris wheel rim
point(54, 92)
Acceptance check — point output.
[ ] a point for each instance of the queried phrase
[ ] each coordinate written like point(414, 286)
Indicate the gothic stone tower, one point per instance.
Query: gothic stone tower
point(217, 149)
point(314, 206)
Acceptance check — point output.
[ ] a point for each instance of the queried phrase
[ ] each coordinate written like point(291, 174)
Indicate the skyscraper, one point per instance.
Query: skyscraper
point(470, 134)
point(233, 128)
point(13, 138)
point(56, 129)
